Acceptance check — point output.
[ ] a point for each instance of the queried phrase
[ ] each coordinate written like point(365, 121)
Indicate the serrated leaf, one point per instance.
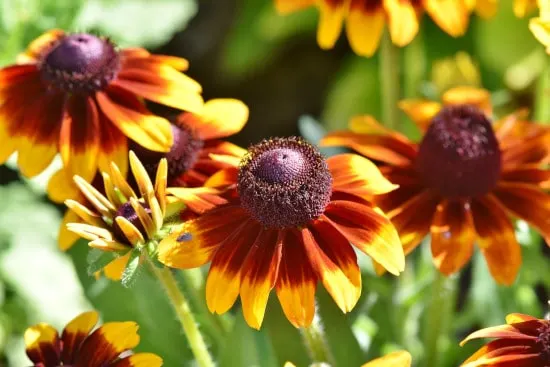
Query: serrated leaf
point(98, 260)
point(132, 270)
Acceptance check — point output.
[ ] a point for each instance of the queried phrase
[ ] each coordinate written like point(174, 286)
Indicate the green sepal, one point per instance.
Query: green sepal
point(98, 259)
point(132, 271)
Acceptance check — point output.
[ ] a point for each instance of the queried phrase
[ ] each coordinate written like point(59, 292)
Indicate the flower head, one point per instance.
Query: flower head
point(365, 20)
point(523, 341)
point(464, 179)
point(289, 226)
point(80, 345)
point(81, 96)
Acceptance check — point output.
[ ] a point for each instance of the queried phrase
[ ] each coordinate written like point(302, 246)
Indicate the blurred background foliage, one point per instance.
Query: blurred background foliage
point(243, 49)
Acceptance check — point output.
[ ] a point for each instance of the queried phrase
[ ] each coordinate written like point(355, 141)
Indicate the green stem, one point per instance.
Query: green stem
point(315, 342)
point(542, 107)
point(439, 313)
point(414, 58)
point(185, 316)
point(388, 65)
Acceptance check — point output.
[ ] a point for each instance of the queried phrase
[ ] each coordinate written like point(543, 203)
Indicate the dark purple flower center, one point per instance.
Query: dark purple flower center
point(284, 182)
point(543, 341)
point(182, 155)
point(127, 211)
point(459, 155)
point(80, 63)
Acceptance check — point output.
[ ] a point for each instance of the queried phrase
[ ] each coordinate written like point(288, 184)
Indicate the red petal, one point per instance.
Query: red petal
point(74, 334)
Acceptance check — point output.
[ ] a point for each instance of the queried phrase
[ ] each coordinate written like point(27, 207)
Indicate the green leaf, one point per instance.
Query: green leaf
point(132, 270)
point(98, 259)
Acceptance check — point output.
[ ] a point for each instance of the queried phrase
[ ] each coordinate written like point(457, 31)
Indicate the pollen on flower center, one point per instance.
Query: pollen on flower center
point(80, 63)
point(284, 182)
point(127, 211)
point(459, 155)
point(544, 341)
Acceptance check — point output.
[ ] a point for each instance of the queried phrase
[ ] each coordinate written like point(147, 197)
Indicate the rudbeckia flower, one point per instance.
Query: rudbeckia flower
point(463, 181)
point(198, 151)
point(80, 96)
point(121, 220)
point(81, 346)
point(289, 226)
point(365, 20)
point(523, 342)
point(395, 359)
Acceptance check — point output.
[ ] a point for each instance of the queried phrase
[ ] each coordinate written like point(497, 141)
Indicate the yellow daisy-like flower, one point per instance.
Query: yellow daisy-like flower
point(365, 19)
point(122, 221)
point(396, 359)
point(81, 346)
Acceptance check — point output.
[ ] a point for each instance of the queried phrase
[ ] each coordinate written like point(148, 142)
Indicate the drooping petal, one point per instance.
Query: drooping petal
point(218, 119)
point(396, 359)
point(259, 275)
point(224, 277)
point(296, 282)
point(42, 345)
point(74, 334)
point(515, 331)
point(384, 148)
point(364, 27)
point(139, 360)
point(421, 112)
point(115, 268)
point(450, 15)
point(105, 344)
point(125, 111)
point(368, 230)
point(497, 239)
point(527, 202)
point(356, 175)
point(453, 236)
point(197, 241)
point(290, 6)
point(67, 238)
point(79, 138)
point(513, 318)
point(334, 262)
point(403, 21)
point(478, 97)
point(331, 19)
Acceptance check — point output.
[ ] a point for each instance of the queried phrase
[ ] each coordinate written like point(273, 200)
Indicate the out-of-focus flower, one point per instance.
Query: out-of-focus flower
point(290, 225)
point(395, 359)
point(78, 95)
point(463, 181)
point(80, 345)
point(365, 20)
point(122, 221)
point(523, 342)
point(458, 70)
point(540, 26)
point(488, 8)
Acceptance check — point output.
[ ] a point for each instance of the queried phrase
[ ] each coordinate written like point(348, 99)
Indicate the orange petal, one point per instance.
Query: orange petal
point(66, 238)
point(396, 359)
point(259, 275)
point(356, 175)
point(369, 231)
point(42, 344)
point(290, 6)
point(296, 282)
point(130, 116)
point(364, 28)
point(105, 344)
point(384, 148)
point(518, 317)
point(197, 241)
point(516, 331)
point(502, 352)
point(218, 119)
point(478, 97)
point(453, 236)
point(403, 21)
point(420, 112)
point(334, 262)
point(497, 239)
point(79, 138)
point(39, 45)
point(225, 177)
point(223, 282)
point(450, 15)
point(139, 360)
point(74, 334)
point(62, 187)
point(331, 19)
point(115, 268)
point(527, 202)
point(529, 173)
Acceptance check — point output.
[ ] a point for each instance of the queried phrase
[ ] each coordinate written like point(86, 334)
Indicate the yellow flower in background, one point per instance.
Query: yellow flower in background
point(454, 71)
point(395, 359)
point(365, 20)
point(540, 26)
point(81, 346)
point(463, 181)
point(82, 97)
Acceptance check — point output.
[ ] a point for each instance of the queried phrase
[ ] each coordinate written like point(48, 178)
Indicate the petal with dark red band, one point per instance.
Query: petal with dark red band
point(42, 345)
point(74, 334)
